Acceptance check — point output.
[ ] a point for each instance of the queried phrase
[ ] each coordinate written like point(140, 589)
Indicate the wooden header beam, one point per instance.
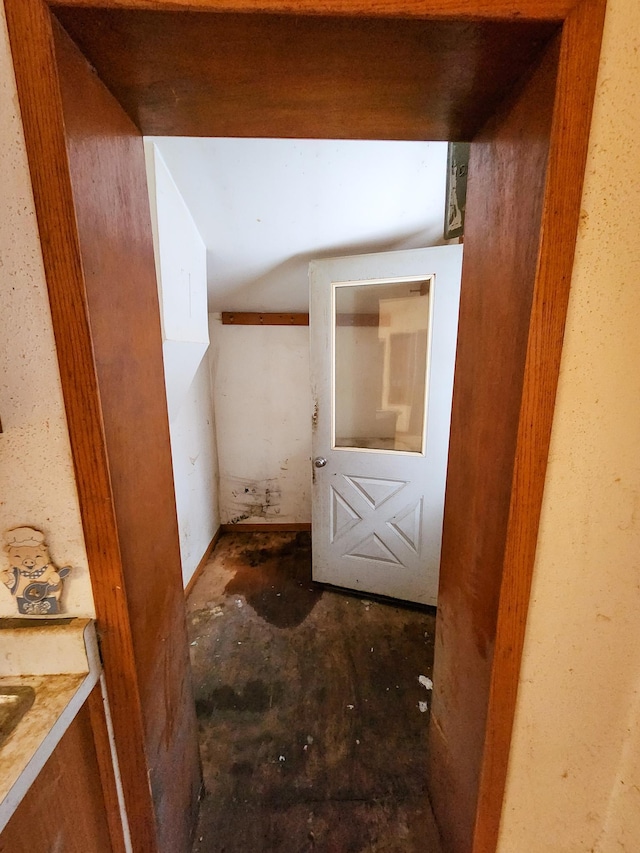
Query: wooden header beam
point(520, 10)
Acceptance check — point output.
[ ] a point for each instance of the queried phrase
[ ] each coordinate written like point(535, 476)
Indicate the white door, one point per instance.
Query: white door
point(383, 334)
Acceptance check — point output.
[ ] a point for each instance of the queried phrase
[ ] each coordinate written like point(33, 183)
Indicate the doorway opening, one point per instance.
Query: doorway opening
point(293, 683)
point(236, 223)
point(522, 91)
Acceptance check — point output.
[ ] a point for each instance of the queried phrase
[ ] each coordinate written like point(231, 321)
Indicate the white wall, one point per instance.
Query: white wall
point(574, 773)
point(195, 467)
point(37, 482)
point(182, 287)
point(181, 271)
point(266, 207)
point(262, 400)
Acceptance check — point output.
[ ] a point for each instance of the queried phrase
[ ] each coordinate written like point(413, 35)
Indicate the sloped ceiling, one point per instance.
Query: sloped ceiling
point(266, 207)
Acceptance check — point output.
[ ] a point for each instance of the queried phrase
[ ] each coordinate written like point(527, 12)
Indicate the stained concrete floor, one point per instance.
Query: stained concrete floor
point(313, 728)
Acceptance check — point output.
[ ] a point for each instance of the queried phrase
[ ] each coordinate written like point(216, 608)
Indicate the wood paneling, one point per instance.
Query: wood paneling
point(212, 74)
point(64, 809)
point(106, 160)
point(504, 207)
point(551, 10)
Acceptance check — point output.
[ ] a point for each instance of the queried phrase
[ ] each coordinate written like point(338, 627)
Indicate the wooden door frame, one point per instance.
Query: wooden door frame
point(34, 60)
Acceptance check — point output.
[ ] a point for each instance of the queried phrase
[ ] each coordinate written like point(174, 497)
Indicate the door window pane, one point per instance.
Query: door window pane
point(381, 336)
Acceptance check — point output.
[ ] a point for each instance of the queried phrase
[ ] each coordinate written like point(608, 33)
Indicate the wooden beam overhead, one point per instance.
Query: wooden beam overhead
point(533, 10)
point(291, 76)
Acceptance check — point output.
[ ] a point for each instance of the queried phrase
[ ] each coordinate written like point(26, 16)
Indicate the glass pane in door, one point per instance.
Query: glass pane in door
point(381, 342)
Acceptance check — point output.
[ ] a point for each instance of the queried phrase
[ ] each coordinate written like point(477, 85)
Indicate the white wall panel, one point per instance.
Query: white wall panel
point(262, 400)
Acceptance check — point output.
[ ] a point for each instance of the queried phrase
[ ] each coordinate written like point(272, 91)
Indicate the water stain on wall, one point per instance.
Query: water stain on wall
point(254, 499)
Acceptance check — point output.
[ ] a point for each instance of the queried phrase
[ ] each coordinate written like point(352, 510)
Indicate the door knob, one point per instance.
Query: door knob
point(319, 461)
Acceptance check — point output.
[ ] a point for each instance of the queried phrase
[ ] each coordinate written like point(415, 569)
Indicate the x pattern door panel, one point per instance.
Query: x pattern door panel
point(371, 520)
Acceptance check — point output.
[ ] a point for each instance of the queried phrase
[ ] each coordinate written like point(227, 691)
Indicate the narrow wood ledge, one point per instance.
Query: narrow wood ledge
point(253, 318)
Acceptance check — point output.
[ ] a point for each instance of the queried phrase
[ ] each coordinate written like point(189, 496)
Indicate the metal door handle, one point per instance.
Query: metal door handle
point(319, 461)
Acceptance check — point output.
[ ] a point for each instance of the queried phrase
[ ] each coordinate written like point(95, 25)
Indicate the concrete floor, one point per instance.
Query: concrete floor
point(313, 726)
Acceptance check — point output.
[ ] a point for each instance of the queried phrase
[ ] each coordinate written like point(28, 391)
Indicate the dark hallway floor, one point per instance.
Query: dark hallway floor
point(313, 727)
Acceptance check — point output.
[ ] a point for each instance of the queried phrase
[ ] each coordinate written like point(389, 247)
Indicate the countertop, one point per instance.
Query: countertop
point(62, 679)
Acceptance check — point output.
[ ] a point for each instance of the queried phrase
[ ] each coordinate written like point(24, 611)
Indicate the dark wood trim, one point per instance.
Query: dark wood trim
point(31, 38)
point(97, 715)
point(575, 90)
point(113, 219)
point(534, 10)
point(505, 196)
point(268, 69)
point(263, 318)
point(265, 527)
point(203, 562)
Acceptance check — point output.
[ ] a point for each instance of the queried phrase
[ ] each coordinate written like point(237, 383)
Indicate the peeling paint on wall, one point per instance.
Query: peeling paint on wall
point(253, 499)
point(263, 403)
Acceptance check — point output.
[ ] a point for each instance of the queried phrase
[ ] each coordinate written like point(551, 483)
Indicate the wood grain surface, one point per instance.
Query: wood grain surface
point(313, 77)
point(504, 207)
point(107, 167)
point(64, 809)
point(253, 318)
point(552, 10)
